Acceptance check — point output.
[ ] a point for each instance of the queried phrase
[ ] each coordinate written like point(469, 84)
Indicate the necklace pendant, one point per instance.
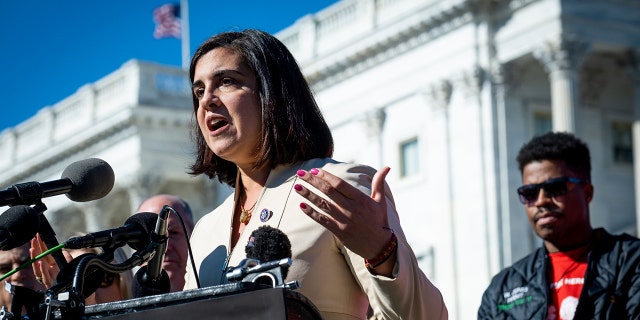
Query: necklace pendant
point(245, 216)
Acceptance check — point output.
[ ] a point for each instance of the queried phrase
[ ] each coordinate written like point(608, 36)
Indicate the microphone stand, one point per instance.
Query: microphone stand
point(72, 301)
point(143, 285)
point(48, 236)
point(152, 279)
point(269, 273)
point(22, 297)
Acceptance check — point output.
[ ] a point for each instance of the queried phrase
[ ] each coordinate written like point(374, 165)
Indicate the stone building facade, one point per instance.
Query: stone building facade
point(446, 92)
point(443, 92)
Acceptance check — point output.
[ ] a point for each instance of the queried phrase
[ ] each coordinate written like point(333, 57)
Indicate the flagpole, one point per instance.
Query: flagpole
point(184, 26)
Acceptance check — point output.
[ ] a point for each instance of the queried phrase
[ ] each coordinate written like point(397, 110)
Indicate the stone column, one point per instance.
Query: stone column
point(306, 38)
point(438, 95)
point(10, 139)
point(500, 80)
point(562, 61)
point(141, 187)
point(89, 100)
point(95, 214)
point(374, 123)
point(634, 71)
point(471, 82)
point(369, 10)
point(49, 122)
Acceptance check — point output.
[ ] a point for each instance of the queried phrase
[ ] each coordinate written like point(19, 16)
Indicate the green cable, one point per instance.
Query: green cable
point(28, 263)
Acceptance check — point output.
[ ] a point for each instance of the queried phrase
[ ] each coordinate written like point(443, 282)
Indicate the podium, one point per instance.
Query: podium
point(241, 300)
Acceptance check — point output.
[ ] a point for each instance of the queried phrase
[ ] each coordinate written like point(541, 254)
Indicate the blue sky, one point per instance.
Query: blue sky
point(50, 48)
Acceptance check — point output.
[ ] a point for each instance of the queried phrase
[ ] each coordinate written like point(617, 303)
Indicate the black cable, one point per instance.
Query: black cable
point(186, 235)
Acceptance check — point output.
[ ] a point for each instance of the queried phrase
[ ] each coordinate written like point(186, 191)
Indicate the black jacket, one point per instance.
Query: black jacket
point(611, 286)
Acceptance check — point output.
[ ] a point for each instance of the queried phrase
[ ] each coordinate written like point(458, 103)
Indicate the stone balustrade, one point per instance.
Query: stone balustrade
point(94, 110)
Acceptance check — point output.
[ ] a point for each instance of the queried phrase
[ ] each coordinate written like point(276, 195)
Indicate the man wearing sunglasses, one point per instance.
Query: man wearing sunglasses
point(579, 272)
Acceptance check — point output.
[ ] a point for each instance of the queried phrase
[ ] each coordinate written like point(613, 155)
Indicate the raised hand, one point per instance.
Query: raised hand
point(360, 221)
point(46, 270)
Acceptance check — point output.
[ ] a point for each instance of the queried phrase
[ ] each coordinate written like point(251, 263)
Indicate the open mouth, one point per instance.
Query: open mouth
point(216, 124)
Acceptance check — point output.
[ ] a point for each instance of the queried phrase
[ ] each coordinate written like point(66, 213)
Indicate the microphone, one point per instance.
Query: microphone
point(18, 225)
point(268, 244)
point(268, 259)
point(159, 236)
point(152, 279)
point(135, 233)
point(81, 181)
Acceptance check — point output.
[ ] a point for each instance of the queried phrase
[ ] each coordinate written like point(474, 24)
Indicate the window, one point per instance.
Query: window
point(170, 84)
point(541, 123)
point(622, 143)
point(409, 158)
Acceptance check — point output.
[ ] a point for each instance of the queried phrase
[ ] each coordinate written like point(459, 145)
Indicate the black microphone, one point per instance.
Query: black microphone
point(81, 181)
point(159, 236)
point(268, 244)
point(268, 259)
point(18, 225)
point(152, 279)
point(135, 233)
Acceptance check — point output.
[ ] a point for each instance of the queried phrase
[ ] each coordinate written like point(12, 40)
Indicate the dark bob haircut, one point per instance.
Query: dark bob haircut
point(293, 128)
point(557, 146)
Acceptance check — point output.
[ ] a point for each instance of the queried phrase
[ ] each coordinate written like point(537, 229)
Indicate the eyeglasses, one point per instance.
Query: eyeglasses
point(552, 188)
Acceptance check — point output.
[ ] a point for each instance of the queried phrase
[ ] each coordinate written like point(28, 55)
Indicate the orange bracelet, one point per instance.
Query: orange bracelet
point(384, 255)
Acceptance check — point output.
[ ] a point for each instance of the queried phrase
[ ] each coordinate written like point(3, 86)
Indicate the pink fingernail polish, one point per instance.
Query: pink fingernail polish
point(314, 171)
point(298, 187)
point(301, 173)
point(303, 205)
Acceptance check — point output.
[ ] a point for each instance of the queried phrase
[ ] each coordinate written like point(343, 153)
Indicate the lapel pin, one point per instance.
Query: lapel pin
point(265, 215)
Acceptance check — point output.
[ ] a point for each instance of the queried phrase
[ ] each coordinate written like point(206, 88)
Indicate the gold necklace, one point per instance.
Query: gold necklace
point(245, 215)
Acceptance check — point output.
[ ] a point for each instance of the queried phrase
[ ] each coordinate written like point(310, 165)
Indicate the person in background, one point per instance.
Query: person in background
point(579, 272)
point(175, 259)
point(9, 260)
point(115, 286)
point(260, 131)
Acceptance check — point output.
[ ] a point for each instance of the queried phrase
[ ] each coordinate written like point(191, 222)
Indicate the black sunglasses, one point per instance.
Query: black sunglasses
point(552, 188)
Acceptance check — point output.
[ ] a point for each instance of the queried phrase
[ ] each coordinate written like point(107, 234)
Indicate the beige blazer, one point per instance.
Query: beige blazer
point(331, 276)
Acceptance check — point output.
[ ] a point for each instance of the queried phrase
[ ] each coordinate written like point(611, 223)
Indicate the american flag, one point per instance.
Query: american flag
point(167, 19)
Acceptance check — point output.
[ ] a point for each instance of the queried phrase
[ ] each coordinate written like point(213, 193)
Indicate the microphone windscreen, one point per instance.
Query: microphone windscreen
point(143, 288)
point(21, 223)
point(268, 244)
point(92, 179)
point(145, 221)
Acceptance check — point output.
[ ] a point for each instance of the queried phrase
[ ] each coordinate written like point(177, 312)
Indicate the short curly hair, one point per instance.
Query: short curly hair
point(557, 146)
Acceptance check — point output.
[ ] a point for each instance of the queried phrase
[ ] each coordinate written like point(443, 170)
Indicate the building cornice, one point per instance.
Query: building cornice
point(335, 68)
point(384, 42)
point(57, 157)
